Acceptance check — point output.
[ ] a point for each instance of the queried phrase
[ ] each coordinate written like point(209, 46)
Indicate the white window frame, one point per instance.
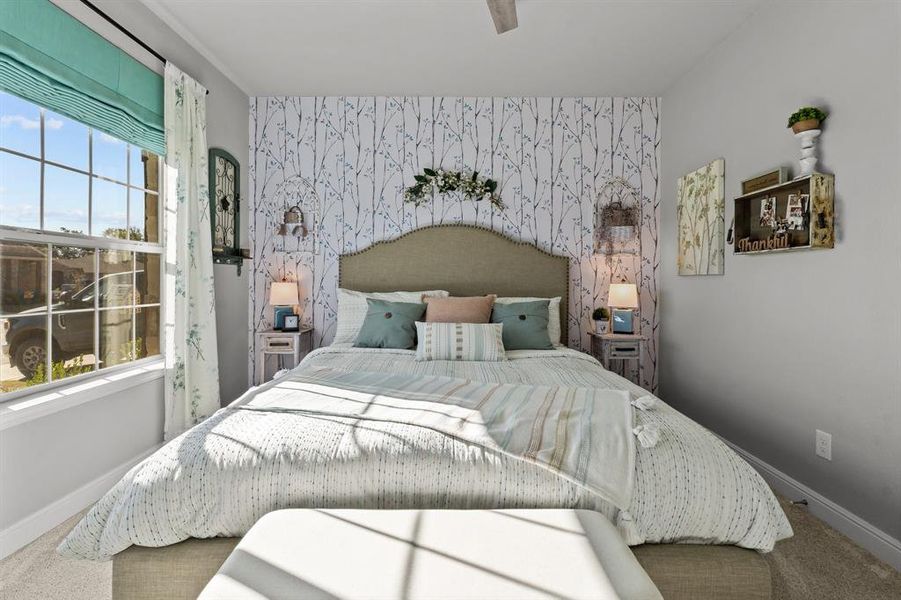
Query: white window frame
point(10, 233)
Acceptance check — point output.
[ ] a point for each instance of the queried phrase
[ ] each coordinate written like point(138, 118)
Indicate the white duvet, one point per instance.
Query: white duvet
point(271, 449)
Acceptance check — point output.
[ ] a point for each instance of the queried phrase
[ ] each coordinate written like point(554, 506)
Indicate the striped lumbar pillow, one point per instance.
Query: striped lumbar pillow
point(460, 341)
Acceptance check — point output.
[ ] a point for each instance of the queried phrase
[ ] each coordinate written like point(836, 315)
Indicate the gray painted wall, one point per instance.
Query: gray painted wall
point(44, 460)
point(784, 344)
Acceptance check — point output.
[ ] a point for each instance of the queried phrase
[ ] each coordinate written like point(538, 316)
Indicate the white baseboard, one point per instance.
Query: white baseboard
point(867, 535)
point(38, 523)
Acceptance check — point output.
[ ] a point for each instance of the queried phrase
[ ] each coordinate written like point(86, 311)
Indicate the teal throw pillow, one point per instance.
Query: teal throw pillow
point(525, 325)
point(389, 324)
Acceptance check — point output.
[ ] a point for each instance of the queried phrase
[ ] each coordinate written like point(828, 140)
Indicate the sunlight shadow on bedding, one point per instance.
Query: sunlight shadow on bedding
point(235, 440)
point(353, 408)
point(419, 402)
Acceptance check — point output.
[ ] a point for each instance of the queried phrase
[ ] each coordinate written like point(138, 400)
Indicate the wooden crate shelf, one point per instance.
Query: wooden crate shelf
point(763, 222)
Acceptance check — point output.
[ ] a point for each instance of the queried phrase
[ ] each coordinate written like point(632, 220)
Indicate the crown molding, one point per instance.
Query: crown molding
point(166, 16)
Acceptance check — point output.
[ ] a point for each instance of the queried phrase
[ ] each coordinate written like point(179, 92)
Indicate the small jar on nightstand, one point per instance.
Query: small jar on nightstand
point(289, 347)
point(619, 352)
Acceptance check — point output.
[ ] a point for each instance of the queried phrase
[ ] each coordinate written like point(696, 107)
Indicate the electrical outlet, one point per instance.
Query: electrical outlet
point(824, 445)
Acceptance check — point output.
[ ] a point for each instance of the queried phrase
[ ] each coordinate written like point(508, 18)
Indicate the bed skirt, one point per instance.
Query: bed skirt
point(680, 571)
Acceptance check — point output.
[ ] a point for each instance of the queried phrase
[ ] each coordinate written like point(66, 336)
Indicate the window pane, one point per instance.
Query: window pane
point(72, 277)
point(136, 214)
point(147, 331)
point(65, 200)
point(65, 141)
point(145, 170)
point(110, 156)
point(116, 278)
point(72, 352)
point(20, 191)
point(20, 125)
point(144, 207)
point(110, 206)
point(116, 344)
point(147, 278)
point(22, 358)
point(23, 277)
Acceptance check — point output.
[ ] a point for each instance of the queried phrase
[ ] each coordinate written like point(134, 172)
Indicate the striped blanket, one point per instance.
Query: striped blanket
point(582, 434)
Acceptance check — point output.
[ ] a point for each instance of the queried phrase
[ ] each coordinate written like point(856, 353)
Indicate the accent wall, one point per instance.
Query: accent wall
point(550, 156)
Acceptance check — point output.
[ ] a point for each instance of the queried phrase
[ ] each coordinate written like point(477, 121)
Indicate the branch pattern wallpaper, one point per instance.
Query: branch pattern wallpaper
point(549, 155)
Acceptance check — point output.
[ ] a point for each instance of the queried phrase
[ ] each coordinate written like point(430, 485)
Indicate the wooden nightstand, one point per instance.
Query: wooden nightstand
point(622, 350)
point(293, 345)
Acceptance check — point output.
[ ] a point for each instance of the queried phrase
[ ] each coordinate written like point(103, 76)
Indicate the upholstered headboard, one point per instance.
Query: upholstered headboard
point(465, 260)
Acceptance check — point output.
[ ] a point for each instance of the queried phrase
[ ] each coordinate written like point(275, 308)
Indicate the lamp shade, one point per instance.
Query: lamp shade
point(283, 293)
point(623, 295)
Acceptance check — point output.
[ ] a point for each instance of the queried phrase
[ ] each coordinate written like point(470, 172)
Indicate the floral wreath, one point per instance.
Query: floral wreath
point(473, 187)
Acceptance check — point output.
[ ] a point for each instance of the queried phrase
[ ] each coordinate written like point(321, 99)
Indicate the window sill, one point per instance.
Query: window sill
point(47, 402)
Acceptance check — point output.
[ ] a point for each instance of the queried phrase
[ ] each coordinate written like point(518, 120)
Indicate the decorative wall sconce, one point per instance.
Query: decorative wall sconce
point(617, 217)
point(293, 223)
point(301, 217)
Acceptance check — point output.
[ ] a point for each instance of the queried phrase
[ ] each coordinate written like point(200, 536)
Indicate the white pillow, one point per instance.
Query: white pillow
point(460, 341)
point(553, 317)
point(352, 309)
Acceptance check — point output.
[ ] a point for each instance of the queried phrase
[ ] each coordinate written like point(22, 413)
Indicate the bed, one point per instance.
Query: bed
point(695, 513)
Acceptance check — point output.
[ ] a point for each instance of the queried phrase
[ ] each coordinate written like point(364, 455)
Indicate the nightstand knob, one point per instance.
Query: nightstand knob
point(522, 317)
point(387, 315)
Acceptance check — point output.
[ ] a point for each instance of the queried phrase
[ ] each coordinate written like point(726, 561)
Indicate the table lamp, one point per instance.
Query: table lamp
point(622, 298)
point(283, 297)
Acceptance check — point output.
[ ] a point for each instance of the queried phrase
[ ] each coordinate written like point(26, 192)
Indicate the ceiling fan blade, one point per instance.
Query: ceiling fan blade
point(503, 12)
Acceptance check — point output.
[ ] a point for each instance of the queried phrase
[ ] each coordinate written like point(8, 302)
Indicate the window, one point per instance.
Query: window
point(80, 253)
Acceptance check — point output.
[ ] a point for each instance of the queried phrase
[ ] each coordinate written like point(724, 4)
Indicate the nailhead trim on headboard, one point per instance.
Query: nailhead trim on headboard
point(566, 283)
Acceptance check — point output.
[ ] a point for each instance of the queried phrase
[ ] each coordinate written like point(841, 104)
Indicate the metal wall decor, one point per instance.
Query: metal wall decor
point(294, 223)
point(617, 218)
point(225, 213)
point(301, 211)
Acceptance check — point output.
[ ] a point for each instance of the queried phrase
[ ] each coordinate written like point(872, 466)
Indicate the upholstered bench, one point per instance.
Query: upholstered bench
point(310, 553)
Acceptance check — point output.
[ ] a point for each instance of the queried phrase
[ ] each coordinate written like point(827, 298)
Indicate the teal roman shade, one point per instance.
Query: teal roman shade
point(52, 59)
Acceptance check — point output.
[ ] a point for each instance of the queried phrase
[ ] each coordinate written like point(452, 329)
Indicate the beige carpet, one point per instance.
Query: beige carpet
point(817, 564)
point(38, 572)
point(820, 563)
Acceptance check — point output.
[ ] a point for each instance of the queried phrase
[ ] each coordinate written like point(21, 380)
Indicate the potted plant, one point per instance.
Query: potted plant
point(805, 118)
point(601, 318)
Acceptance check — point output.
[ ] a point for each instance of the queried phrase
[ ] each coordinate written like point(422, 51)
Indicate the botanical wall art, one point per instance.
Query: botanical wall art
point(549, 158)
point(700, 213)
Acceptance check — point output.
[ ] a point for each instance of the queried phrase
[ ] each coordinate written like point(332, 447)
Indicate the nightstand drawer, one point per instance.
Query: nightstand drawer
point(624, 349)
point(279, 344)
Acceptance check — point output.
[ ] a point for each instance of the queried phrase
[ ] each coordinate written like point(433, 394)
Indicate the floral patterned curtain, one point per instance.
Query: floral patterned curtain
point(192, 369)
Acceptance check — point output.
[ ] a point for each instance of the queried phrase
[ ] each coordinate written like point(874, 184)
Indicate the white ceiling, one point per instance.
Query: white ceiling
point(450, 48)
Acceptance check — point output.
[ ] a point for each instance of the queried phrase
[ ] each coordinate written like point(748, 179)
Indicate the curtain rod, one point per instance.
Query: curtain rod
point(131, 36)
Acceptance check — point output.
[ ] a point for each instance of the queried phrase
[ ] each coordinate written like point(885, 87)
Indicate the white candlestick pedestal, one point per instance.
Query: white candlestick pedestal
point(808, 150)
